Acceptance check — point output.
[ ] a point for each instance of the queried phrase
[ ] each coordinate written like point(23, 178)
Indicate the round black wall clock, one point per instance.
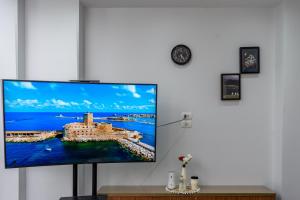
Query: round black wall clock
point(181, 54)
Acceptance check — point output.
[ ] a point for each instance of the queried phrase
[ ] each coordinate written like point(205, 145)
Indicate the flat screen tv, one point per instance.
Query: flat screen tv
point(57, 123)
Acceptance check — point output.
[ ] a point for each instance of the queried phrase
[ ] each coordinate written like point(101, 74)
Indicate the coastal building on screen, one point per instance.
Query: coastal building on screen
point(88, 128)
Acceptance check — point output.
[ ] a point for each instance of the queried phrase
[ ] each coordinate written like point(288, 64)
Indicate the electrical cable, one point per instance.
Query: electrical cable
point(174, 122)
point(157, 164)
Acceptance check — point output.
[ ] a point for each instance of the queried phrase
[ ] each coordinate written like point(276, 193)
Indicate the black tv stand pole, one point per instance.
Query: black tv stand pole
point(94, 195)
point(94, 176)
point(75, 180)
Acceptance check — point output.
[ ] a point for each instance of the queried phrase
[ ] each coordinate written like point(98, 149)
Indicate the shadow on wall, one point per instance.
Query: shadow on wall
point(230, 103)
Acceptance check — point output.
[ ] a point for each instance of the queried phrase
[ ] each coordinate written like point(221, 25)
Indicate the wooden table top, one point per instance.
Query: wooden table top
point(205, 190)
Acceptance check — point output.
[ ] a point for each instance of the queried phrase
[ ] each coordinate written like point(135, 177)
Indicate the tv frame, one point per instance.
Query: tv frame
point(84, 83)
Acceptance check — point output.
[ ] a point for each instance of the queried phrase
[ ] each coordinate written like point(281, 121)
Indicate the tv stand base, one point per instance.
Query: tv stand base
point(99, 197)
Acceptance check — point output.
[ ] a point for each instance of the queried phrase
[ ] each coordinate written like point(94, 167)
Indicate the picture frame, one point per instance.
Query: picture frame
point(249, 60)
point(230, 86)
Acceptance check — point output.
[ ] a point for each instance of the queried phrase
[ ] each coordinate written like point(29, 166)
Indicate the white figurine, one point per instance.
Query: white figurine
point(184, 160)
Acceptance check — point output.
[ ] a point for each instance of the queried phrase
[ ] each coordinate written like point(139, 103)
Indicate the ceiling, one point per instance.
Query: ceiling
point(179, 3)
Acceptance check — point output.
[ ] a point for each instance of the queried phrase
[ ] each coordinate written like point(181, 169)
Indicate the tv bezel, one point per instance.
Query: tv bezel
point(74, 82)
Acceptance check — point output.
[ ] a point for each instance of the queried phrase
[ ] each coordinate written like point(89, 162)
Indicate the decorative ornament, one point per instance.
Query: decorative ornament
point(183, 179)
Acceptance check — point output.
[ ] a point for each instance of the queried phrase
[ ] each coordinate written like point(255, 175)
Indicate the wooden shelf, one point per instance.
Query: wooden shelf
point(207, 192)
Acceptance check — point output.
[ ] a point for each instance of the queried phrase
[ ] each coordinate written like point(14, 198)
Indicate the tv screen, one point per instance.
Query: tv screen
point(56, 123)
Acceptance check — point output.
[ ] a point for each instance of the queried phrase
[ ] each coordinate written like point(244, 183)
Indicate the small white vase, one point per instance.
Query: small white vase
point(183, 172)
point(182, 186)
point(183, 175)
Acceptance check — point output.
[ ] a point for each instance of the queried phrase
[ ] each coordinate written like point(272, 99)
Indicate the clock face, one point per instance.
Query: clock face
point(181, 54)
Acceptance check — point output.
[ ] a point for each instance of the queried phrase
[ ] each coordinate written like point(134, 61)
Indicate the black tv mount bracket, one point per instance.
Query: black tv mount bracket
point(94, 172)
point(85, 81)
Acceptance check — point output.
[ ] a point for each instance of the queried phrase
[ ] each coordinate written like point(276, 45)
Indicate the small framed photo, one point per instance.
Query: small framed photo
point(249, 60)
point(230, 86)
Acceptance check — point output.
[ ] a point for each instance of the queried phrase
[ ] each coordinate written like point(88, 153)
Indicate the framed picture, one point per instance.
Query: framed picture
point(249, 60)
point(230, 86)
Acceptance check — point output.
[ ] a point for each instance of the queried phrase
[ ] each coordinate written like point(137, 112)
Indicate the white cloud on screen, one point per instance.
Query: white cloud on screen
point(132, 90)
point(151, 91)
point(24, 85)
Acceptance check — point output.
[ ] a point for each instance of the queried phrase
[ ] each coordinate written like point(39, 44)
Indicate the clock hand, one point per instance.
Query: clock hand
point(181, 56)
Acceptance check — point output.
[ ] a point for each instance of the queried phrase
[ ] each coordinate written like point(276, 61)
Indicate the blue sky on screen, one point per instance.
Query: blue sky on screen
point(76, 97)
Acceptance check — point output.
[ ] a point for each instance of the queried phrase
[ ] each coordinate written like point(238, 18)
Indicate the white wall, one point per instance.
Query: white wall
point(8, 22)
point(8, 69)
point(51, 54)
point(277, 101)
point(290, 133)
point(51, 39)
point(230, 141)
